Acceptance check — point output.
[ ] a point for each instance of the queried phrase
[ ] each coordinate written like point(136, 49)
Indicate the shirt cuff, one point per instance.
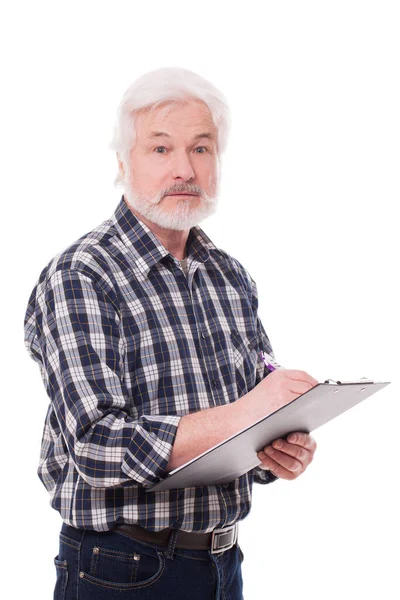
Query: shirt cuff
point(149, 451)
point(263, 476)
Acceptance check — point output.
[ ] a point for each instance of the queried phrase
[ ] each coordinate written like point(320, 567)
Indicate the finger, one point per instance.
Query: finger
point(276, 469)
point(302, 454)
point(288, 462)
point(300, 376)
point(302, 439)
point(299, 388)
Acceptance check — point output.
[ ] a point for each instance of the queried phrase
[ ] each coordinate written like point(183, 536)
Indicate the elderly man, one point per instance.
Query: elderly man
point(148, 339)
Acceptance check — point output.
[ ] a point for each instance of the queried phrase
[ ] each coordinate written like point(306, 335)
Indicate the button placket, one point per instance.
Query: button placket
point(205, 349)
point(212, 382)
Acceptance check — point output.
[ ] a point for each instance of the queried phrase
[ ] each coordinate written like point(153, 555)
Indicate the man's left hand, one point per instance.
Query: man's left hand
point(287, 459)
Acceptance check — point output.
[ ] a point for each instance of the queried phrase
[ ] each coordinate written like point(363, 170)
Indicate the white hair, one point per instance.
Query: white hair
point(167, 86)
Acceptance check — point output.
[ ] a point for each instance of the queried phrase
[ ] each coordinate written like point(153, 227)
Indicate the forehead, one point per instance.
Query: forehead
point(178, 118)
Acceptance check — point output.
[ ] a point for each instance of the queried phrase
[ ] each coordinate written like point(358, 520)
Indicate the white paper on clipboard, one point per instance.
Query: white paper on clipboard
point(238, 454)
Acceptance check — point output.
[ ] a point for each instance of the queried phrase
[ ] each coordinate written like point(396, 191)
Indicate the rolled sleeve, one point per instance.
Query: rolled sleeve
point(147, 456)
point(263, 476)
point(260, 475)
point(84, 362)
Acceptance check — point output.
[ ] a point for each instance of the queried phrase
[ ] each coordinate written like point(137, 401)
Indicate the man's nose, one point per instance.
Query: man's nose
point(182, 167)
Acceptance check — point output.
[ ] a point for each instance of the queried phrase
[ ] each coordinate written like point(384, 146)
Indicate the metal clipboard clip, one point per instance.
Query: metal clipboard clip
point(362, 380)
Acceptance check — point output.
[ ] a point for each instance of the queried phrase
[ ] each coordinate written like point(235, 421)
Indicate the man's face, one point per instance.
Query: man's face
point(174, 152)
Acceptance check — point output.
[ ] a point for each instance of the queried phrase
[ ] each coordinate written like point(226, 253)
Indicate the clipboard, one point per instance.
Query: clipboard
point(237, 455)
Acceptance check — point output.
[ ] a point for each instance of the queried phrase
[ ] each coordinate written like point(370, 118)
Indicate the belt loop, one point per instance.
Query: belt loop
point(172, 543)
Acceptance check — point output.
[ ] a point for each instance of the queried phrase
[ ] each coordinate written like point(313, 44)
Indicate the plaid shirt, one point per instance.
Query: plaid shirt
point(127, 345)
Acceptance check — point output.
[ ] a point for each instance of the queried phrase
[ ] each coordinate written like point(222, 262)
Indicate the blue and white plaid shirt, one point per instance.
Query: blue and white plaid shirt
point(127, 345)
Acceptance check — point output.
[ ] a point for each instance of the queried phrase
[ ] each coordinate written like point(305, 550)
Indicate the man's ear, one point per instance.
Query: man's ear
point(120, 165)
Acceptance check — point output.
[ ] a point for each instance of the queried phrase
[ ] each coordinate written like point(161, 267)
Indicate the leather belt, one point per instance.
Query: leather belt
point(217, 541)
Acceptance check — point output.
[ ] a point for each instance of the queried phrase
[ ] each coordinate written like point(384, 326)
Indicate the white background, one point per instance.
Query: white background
point(309, 205)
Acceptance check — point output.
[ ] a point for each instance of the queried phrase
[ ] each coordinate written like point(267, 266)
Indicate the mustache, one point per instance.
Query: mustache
point(181, 188)
point(184, 187)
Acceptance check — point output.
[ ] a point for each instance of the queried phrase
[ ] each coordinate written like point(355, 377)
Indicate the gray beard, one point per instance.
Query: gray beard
point(182, 218)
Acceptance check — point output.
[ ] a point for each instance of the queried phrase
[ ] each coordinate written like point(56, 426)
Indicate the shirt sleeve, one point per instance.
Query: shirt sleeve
point(83, 358)
point(261, 476)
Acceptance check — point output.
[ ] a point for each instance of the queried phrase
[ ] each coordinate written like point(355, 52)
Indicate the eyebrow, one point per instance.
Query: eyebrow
point(206, 134)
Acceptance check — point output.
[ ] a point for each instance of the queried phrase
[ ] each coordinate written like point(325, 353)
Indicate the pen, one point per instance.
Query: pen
point(269, 362)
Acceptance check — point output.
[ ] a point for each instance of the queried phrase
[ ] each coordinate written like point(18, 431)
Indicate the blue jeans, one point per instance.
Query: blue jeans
point(108, 565)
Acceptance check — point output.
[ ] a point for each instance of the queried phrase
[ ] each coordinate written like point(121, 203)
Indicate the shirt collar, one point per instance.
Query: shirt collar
point(145, 245)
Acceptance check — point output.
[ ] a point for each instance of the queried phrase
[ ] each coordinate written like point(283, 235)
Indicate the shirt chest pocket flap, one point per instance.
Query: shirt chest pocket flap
point(245, 351)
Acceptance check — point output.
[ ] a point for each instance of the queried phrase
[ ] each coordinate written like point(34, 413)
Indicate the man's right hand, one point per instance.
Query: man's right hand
point(279, 388)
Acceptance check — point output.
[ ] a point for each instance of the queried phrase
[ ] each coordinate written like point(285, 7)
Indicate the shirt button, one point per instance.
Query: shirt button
point(214, 383)
point(203, 335)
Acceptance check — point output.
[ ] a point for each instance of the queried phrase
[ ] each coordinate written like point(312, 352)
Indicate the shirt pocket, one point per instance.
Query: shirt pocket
point(245, 358)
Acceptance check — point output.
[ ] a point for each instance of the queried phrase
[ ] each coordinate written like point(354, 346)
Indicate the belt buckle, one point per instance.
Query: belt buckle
point(224, 539)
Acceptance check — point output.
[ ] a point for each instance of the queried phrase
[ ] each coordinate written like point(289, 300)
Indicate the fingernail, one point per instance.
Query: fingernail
point(278, 444)
point(269, 450)
point(293, 439)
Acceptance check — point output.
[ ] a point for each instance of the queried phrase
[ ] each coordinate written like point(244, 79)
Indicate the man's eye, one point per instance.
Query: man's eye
point(160, 149)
